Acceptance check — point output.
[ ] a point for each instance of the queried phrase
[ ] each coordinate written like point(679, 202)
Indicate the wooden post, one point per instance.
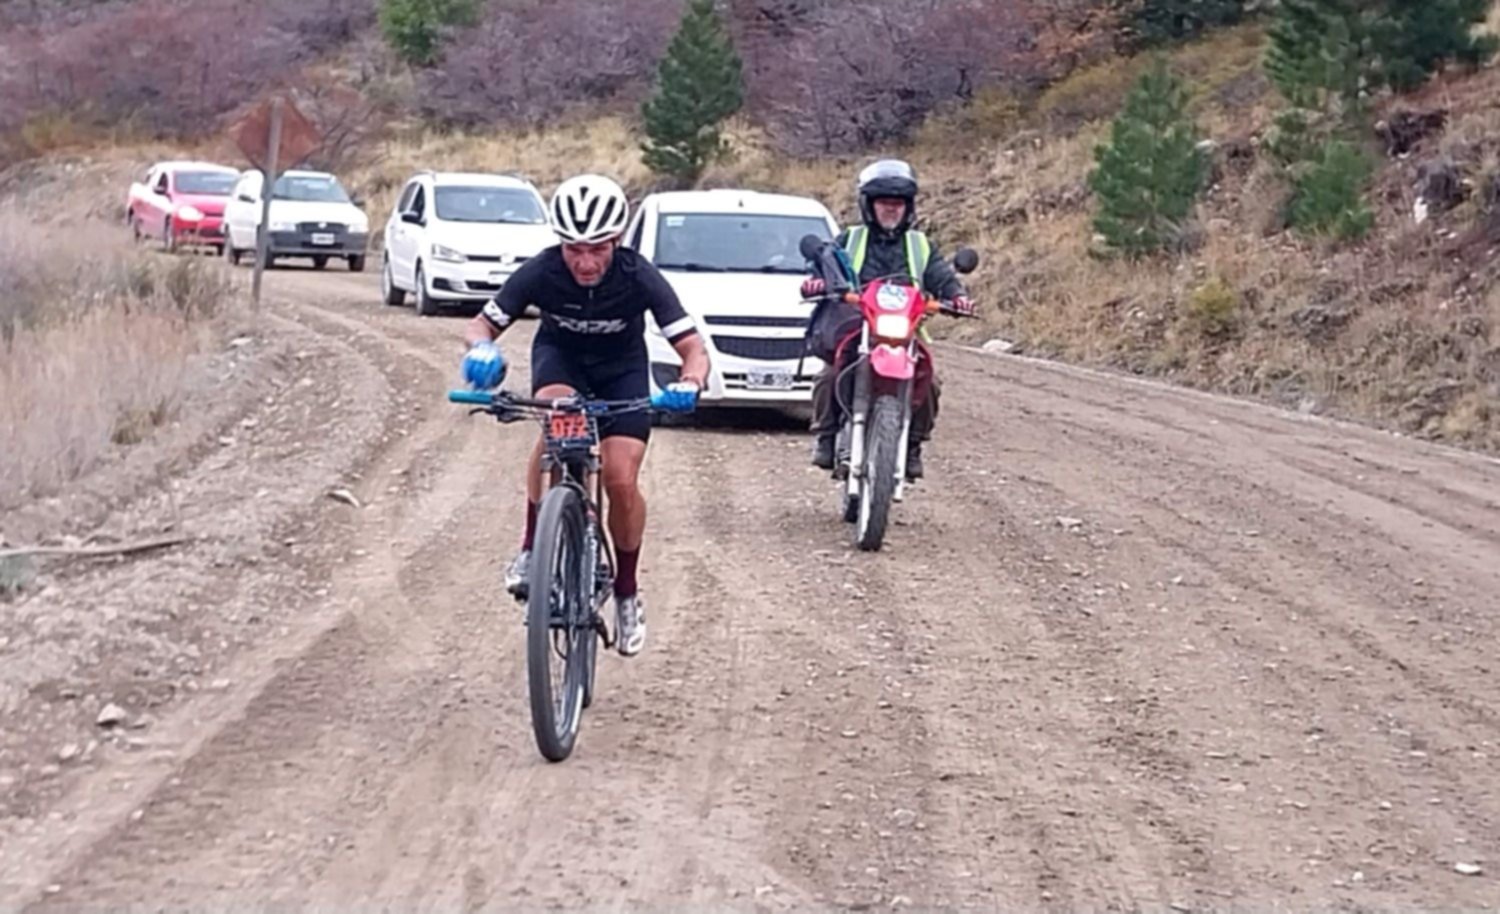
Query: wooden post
point(263, 233)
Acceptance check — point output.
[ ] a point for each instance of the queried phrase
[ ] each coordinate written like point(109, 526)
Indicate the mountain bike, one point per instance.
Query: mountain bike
point(572, 562)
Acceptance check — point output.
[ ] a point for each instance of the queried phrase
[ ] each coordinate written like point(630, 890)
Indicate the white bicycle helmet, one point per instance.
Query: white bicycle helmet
point(588, 209)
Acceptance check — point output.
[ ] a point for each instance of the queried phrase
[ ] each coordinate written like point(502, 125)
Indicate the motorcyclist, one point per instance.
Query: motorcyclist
point(884, 244)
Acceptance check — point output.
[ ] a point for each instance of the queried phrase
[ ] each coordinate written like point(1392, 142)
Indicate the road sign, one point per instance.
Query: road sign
point(252, 134)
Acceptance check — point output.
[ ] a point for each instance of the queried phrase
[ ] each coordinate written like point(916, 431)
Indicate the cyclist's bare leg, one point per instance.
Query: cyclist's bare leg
point(622, 458)
point(626, 508)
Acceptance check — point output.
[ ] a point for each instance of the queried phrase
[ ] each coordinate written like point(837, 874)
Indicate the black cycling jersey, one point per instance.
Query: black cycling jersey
point(598, 323)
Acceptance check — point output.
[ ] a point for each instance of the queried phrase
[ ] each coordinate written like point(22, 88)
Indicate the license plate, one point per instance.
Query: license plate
point(769, 380)
point(322, 238)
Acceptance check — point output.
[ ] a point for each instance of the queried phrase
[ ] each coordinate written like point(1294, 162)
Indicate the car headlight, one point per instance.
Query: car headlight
point(893, 326)
point(447, 254)
point(359, 228)
point(189, 214)
point(283, 226)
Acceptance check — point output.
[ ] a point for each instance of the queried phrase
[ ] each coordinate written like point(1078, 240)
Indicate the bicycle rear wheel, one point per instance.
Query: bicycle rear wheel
point(559, 632)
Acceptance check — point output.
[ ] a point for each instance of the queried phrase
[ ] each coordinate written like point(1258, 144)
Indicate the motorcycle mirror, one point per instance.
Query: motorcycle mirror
point(966, 260)
point(809, 246)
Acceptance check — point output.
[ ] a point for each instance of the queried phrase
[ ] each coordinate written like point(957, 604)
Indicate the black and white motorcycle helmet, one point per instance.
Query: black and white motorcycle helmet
point(887, 178)
point(588, 209)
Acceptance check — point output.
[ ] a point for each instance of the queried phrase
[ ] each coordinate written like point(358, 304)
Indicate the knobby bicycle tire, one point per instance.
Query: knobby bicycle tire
point(557, 589)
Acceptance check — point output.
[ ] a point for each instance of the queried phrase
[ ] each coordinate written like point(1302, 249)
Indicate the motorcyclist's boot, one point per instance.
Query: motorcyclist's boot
point(914, 461)
point(823, 450)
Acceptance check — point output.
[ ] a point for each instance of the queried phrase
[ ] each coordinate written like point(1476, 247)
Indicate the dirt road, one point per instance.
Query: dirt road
point(1127, 648)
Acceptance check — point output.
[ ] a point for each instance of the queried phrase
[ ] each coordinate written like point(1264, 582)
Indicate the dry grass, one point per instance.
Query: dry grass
point(95, 346)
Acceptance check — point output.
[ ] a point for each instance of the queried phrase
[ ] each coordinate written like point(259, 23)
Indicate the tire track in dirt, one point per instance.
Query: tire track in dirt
point(1013, 705)
point(313, 656)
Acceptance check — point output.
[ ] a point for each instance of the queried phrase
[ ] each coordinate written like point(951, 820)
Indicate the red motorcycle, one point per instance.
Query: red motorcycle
point(880, 371)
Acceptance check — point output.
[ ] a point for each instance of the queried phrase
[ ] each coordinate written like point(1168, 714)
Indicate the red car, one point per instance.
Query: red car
point(181, 204)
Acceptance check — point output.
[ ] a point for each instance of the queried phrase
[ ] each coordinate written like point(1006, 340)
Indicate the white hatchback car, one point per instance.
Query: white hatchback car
point(312, 216)
point(732, 256)
point(455, 238)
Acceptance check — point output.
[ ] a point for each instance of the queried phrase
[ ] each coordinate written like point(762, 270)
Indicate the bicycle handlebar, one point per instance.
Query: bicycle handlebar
point(508, 401)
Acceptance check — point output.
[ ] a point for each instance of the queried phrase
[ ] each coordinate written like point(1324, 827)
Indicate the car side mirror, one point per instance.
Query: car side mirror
point(411, 218)
point(966, 260)
point(358, 202)
point(245, 198)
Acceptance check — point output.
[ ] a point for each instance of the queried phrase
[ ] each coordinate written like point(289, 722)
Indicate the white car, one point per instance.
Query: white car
point(311, 216)
point(455, 238)
point(732, 256)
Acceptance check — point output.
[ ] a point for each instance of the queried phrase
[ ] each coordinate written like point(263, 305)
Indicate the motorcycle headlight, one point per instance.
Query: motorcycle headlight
point(893, 326)
point(189, 214)
point(447, 254)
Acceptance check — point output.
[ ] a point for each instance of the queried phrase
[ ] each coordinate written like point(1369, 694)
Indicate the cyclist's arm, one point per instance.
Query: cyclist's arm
point(676, 325)
point(507, 307)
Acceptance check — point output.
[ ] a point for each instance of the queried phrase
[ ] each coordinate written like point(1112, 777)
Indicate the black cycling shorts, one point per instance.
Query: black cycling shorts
point(612, 379)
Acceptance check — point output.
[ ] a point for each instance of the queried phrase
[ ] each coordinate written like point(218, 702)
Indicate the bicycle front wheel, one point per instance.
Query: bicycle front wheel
point(559, 631)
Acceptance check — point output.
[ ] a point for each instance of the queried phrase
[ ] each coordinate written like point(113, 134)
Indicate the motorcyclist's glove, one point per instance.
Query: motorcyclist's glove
point(961, 304)
point(812, 287)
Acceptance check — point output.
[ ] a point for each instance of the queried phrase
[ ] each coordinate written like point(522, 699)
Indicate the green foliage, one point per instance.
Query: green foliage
point(700, 83)
point(1159, 21)
point(1417, 37)
point(1150, 173)
point(414, 28)
point(1317, 52)
point(1324, 50)
point(1329, 195)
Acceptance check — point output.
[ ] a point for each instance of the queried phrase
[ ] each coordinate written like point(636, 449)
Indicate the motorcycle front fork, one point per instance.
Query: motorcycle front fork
point(856, 428)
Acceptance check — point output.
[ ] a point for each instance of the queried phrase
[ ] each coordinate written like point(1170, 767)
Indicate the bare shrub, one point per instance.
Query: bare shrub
point(526, 63)
point(167, 67)
point(865, 73)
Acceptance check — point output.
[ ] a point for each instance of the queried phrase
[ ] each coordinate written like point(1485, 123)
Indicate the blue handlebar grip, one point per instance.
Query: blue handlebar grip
point(472, 397)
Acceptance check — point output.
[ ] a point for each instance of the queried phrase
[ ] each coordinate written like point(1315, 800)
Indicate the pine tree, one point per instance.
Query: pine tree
point(414, 28)
point(1329, 198)
point(1414, 38)
point(1151, 171)
point(700, 83)
point(1318, 52)
point(1157, 21)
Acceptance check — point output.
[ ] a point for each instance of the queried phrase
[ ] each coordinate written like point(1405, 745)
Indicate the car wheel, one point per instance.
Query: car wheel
point(320, 263)
point(231, 253)
point(426, 307)
point(391, 293)
point(357, 263)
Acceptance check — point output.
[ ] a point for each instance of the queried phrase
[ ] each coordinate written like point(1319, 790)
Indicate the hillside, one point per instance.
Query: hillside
point(1402, 329)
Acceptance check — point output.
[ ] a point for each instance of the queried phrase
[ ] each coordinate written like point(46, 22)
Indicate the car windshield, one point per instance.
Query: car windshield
point(309, 189)
point(734, 242)
point(489, 204)
point(210, 183)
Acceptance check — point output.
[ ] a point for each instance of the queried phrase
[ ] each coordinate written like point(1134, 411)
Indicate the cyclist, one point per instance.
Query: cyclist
point(593, 296)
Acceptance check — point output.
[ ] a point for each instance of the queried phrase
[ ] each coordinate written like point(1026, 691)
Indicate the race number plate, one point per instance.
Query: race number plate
point(569, 429)
point(769, 380)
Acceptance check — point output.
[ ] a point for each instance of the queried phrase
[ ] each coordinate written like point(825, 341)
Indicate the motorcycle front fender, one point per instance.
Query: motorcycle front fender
point(893, 362)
